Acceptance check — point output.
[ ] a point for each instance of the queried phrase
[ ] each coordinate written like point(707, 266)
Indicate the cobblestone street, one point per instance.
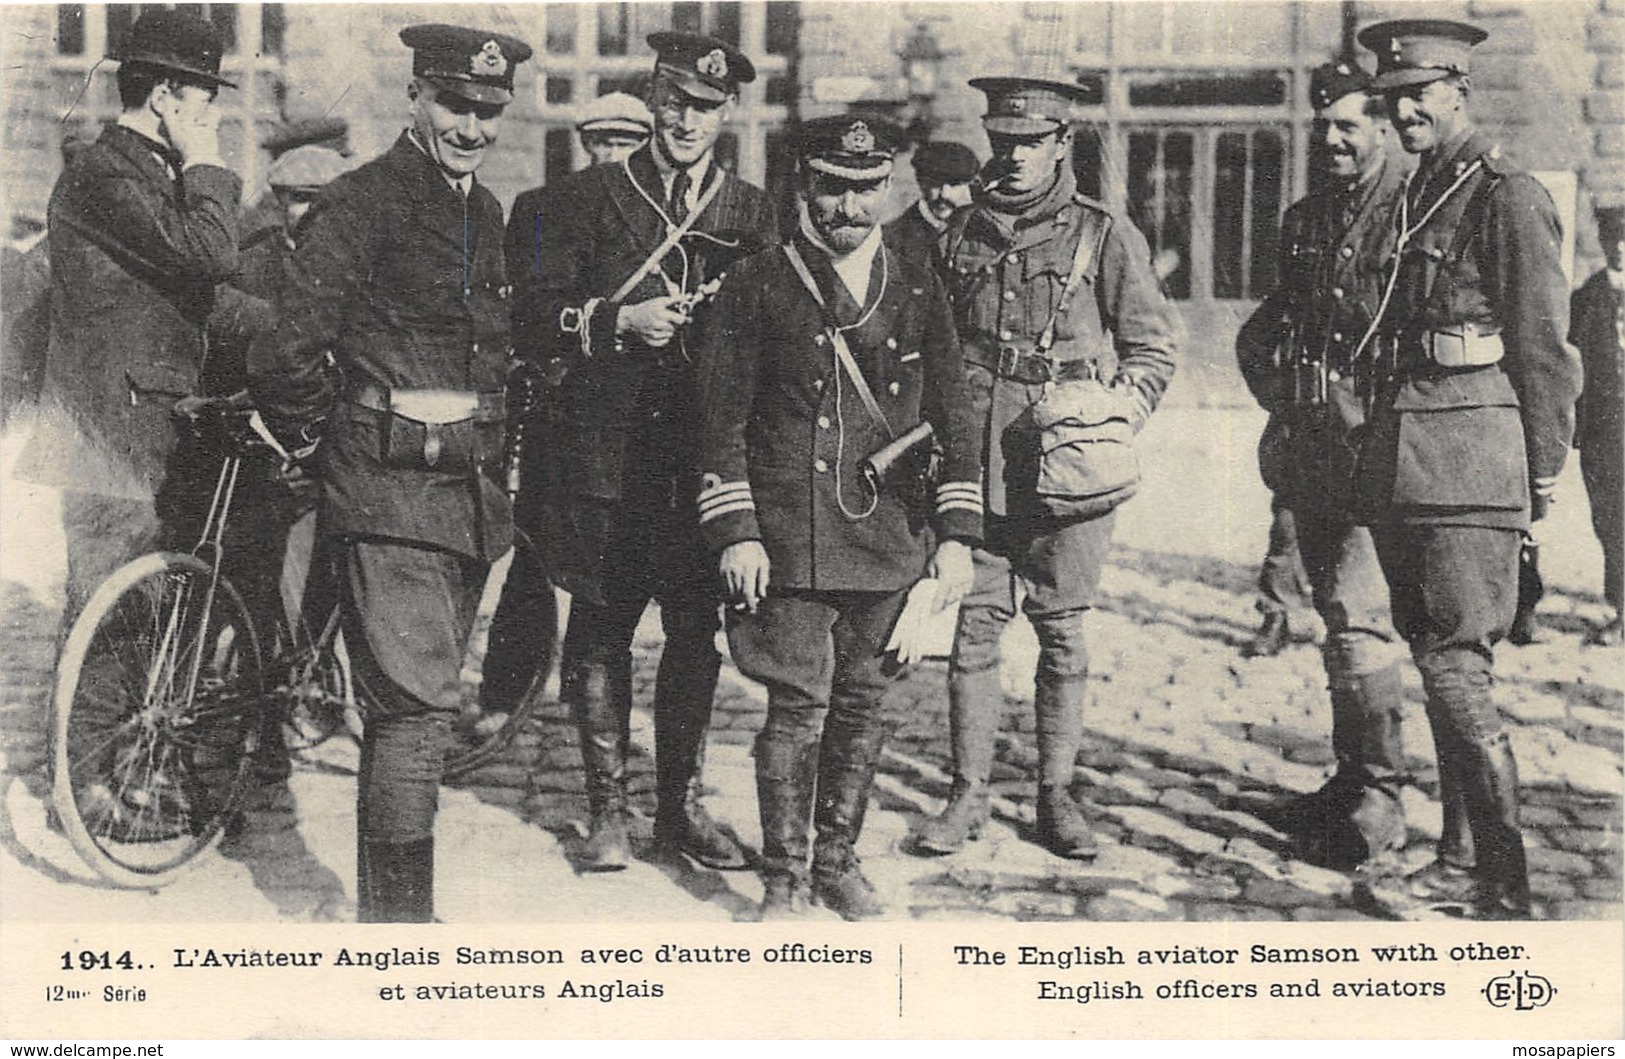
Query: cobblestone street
point(1186, 743)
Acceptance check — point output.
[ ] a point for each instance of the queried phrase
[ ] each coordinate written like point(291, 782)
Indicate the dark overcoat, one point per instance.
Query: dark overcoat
point(137, 249)
point(785, 429)
point(1595, 331)
point(401, 277)
point(1464, 445)
point(1335, 247)
point(911, 234)
point(619, 447)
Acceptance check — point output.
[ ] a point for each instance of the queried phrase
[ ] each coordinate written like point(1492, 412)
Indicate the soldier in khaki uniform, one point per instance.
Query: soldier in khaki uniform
point(1296, 354)
point(1008, 260)
point(1472, 391)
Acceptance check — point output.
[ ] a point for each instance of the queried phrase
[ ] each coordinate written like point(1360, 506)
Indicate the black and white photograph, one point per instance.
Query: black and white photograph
point(927, 483)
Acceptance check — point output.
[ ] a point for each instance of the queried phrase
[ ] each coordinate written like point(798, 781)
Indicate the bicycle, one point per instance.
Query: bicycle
point(161, 697)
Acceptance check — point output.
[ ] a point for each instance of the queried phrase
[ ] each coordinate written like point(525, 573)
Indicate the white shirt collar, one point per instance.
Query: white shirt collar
point(463, 184)
point(696, 175)
point(853, 268)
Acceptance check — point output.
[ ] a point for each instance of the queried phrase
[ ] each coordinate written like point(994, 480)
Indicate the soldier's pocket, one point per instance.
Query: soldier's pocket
point(1461, 443)
point(454, 448)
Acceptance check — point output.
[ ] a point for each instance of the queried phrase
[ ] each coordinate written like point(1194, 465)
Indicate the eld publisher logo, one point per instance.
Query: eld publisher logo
point(1521, 992)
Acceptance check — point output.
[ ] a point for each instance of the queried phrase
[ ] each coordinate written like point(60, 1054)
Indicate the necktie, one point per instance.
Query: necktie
point(678, 207)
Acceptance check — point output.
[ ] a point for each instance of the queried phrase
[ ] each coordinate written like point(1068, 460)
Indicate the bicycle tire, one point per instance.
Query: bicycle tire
point(145, 773)
point(478, 740)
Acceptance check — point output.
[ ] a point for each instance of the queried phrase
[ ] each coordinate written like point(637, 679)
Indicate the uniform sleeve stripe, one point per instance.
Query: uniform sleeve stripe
point(724, 491)
point(959, 505)
point(726, 509)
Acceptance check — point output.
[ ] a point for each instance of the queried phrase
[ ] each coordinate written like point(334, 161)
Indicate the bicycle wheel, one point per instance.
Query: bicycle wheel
point(520, 613)
point(156, 717)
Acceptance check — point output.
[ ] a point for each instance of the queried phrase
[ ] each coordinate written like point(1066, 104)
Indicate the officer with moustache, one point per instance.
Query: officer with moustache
point(1472, 412)
point(610, 266)
point(1010, 261)
point(818, 354)
point(944, 170)
point(1296, 353)
point(399, 273)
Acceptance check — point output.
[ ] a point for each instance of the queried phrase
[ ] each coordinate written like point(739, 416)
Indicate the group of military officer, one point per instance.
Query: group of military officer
point(712, 387)
point(1421, 394)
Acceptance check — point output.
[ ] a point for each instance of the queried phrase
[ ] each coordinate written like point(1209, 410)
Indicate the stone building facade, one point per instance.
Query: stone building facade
point(1198, 123)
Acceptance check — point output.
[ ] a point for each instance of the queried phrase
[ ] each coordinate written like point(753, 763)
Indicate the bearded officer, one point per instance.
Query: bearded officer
point(818, 354)
point(1295, 352)
point(1472, 415)
point(1007, 261)
point(610, 268)
point(399, 272)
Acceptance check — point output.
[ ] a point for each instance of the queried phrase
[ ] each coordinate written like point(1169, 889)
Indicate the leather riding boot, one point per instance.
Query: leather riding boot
point(975, 701)
point(846, 771)
point(786, 775)
point(1456, 833)
point(1489, 775)
point(396, 882)
point(596, 693)
point(1062, 829)
point(684, 690)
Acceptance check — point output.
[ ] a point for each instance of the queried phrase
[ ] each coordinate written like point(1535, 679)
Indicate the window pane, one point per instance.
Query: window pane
point(273, 29)
point(1086, 161)
point(1269, 163)
point(560, 90)
point(1266, 89)
point(686, 18)
point(614, 27)
point(558, 154)
point(561, 28)
point(120, 17)
point(1159, 191)
point(224, 17)
point(780, 91)
point(725, 22)
point(632, 84)
point(70, 29)
point(1229, 215)
point(783, 27)
point(781, 179)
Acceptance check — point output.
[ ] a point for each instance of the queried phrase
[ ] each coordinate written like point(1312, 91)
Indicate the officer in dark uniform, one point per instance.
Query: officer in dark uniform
point(1007, 261)
point(1296, 353)
point(1473, 391)
point(1598, 329)
point(944, 171)
point(818, 354)
point(399, 273)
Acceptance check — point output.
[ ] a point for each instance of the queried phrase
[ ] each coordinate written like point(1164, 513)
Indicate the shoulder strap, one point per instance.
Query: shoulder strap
point(1092, 229)
point(673, 236)
point(837, 338)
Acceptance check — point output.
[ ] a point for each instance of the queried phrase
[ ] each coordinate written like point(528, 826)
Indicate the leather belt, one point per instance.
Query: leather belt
point(1033, 368)
point(432, 405)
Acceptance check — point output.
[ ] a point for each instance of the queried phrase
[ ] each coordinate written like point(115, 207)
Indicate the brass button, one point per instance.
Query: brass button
point(820, 466)
point(1009, 295)
point(891, 343)
point(819, 339)
point(1347, 251)
point(1006, 335)
point(823, 422)
point(1334, 375)
point(818, 384)
point(893, 388)
point(1337, 292)
point(1337, 336)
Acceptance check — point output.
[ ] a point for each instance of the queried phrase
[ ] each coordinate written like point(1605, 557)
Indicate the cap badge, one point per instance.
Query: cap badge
point(713, 64)
point(858, 139)
point(489, 61)
point(1395, 48)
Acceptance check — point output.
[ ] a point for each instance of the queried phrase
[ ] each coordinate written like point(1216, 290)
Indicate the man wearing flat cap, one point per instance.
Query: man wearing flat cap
point(1050, 289)
point(399, 273)
point(944, 171)
point(1296, 353)
point(610, 267)
point(1471, 390)
point(818, 354)
point(142, 230)
point(612, 126)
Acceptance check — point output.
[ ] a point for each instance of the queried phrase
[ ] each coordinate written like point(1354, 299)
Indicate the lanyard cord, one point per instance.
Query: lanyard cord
point(840, 418)
point(1406, 232)
point(682, 251)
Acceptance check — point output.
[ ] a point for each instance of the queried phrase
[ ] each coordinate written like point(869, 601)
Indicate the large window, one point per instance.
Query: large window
point(594, 49)
point(254, 38)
